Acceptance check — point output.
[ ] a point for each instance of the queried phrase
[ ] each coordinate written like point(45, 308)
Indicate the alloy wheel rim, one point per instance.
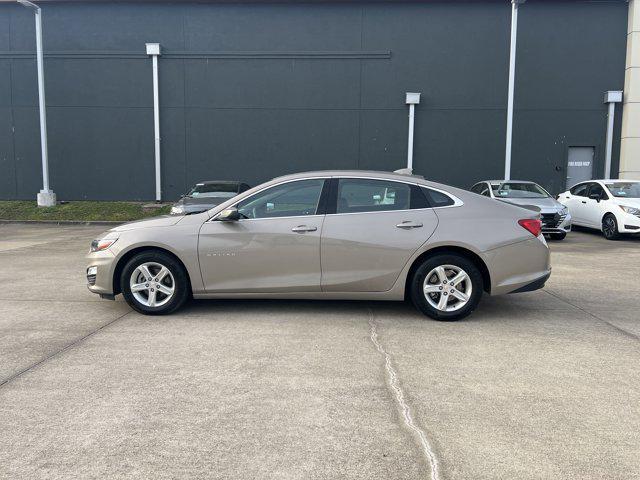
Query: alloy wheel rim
point(609, 226)
point(447, 288)
point(152, 284)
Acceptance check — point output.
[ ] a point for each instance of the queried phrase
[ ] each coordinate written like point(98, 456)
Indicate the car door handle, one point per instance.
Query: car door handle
point(304, 228)
point(408, 224)
point(584, 201)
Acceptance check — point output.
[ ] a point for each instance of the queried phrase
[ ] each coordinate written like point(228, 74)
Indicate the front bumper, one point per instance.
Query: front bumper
point(553, 224)
point(628, 223)
point(103, 264)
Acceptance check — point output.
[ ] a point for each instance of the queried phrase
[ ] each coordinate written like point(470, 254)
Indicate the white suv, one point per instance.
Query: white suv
point(612, 206)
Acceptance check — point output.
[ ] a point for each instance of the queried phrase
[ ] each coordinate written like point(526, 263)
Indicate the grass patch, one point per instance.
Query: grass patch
point(79, 211)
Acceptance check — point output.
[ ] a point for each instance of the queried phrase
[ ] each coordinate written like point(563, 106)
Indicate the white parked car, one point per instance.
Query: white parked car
point(612, 206)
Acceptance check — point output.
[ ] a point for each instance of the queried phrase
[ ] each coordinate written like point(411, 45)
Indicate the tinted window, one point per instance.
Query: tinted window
point(596, 189)
point(477, 188)
point(580, 190)
point(437, 199)
point(521, 190)
point(362, 195)
point(217, 190)
point(286, 200)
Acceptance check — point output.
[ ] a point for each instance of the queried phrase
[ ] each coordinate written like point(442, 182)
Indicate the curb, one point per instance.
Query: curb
point(65, 222)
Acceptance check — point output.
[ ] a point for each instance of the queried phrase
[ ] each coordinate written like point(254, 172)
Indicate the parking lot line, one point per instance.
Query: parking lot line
point(591, 314)
point(61, 350)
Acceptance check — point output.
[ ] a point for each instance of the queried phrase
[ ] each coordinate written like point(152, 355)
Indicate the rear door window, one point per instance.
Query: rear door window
point(356, 195)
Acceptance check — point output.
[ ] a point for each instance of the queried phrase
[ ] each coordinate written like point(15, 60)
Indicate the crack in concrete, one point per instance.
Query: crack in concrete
point(63, 349)
point(394, 383)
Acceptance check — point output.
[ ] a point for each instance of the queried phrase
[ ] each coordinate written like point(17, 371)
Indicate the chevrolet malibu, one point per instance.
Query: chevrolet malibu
point(328, 235)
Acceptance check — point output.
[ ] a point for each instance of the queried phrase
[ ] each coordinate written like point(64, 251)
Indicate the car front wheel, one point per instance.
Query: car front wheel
point(610, 227)
point(447, 287)
point(154, 283)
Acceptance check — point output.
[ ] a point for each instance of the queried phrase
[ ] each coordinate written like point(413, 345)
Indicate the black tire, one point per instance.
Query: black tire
point(419, 298)
point(558, 236)
point(610, 227)
point(179, 280)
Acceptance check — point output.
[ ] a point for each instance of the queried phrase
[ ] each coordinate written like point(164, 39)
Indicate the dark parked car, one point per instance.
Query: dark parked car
point(206, 195)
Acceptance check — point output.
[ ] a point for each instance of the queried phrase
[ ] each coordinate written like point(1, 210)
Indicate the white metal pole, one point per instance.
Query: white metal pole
point(607, 164)
point(153, 49)
point(156, 127)
point(42, 103)
point(46, 198)
point(512, 76)
point(412, 109)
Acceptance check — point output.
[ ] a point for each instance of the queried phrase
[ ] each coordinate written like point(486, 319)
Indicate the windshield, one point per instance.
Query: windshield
point(624, 189)
point(218, 190)
point(521, 190)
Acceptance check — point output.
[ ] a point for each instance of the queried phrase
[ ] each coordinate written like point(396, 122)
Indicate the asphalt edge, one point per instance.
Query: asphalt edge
point(65, 222)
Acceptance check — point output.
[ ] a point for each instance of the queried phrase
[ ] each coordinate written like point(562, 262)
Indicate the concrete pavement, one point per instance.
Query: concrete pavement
point(537, 385)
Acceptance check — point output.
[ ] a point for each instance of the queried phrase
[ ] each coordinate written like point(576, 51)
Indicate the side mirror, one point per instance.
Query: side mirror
point(230, 214)
point(595, 196)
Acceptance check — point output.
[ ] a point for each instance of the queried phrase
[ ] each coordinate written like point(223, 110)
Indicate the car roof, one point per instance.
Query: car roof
point(209, 182)
point(505, 181)
point(352, 173)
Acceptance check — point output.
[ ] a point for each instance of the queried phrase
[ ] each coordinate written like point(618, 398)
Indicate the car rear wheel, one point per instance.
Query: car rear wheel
point(154, 283)
point(447, 287)
point(558, 236)
point(610, 227)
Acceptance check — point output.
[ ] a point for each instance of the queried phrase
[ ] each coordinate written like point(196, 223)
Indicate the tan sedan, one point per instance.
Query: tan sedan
point(328, 235)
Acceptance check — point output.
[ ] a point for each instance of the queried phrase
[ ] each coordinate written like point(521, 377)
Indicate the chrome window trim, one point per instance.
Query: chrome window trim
point(456, 201)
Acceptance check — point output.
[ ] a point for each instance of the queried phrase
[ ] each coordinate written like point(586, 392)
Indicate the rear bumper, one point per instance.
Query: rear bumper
point(535, 285)
point(518, 265)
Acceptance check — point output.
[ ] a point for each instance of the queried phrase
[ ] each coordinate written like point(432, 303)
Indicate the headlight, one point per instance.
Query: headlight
point(177, 210)
point(103, 243)
point(630, 210)
point(563, 211)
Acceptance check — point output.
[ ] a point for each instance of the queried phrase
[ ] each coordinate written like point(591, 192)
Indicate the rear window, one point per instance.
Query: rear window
point(438, 199)
point(218, 190)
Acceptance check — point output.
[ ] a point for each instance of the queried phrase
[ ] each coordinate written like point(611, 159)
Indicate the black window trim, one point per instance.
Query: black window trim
point(332, 201)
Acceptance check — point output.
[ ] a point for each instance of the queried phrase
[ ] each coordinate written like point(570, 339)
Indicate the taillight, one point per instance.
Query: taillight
point(532, 225)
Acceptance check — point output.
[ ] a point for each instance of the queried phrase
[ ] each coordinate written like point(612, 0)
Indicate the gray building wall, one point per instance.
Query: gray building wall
point(250, 91)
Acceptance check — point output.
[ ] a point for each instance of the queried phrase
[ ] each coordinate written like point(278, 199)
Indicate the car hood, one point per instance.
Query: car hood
point(162, 221)
point(628, 202)
point(544, 204)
